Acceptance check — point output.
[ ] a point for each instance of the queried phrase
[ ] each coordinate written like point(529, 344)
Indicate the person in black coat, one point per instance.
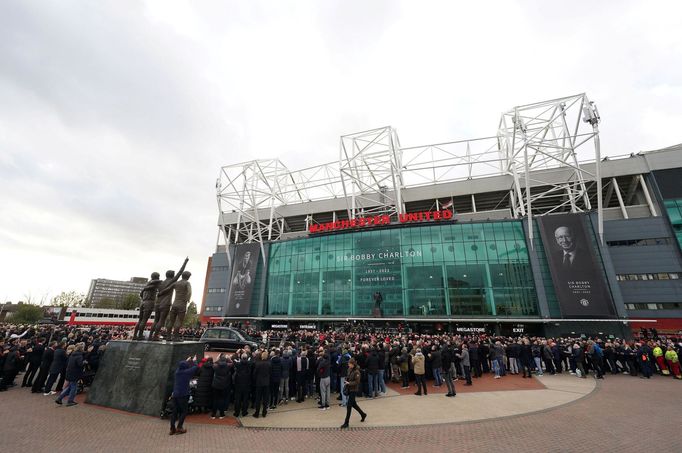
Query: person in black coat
point(448, 362)
point(45, 363)
point(204, 383)
point(221, 386)
point(74, 371)
point(275, 378)
point(372, 366)
point(34, 356)
point(57, 366)
point(474, 359)
point(242, 385)
point(526, 358)
point(301, 366)
point(10, 368)
point(261, 379)
point(436, 365)
point(483, 352)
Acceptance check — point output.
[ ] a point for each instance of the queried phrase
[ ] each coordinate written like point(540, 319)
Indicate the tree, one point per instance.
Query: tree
point(106, 302)
point(130, 302)
point(70, 299)
point(191, 317)
point(27, 314)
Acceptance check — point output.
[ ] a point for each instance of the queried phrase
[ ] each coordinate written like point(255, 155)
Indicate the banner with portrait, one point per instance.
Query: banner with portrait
point(244, 266)
point(578, 279)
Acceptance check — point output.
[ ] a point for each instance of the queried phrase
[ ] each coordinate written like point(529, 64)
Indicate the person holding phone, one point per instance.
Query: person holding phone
point(186, 369)
point(352, 383)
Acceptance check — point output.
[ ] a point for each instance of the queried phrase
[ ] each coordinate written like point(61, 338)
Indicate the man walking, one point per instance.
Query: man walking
point(74, 371)
point(57, 366)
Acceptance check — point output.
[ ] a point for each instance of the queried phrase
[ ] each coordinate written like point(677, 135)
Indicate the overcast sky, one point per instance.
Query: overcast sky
point(115, 116)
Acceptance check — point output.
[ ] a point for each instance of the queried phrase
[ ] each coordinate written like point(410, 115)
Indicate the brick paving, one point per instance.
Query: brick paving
point(624, 414)
point(486, 383)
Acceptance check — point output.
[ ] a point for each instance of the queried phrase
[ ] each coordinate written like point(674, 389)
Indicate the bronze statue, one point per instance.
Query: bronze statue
point(149, 296)
point(377, 297)
point(183, 293)
point(163, 303)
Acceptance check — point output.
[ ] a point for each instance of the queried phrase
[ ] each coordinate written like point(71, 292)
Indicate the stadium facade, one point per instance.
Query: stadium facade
point(529, 230)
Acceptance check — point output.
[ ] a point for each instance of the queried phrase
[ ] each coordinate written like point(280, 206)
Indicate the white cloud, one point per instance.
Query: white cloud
point(116, 116)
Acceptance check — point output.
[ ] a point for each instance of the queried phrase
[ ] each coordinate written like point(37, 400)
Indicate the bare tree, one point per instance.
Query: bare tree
point(69, 299)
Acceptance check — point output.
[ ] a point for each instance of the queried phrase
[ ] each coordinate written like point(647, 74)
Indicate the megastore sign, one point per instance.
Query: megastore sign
point(378, 220)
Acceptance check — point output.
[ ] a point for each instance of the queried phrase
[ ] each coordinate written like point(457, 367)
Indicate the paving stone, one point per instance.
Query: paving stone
point(623, 414)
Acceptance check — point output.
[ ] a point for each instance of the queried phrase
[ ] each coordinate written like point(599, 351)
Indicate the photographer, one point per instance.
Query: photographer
point(186, 369)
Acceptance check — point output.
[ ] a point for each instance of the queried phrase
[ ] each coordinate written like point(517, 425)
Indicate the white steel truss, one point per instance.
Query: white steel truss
point(539, 138)
point(532, 142)
point(371, 172)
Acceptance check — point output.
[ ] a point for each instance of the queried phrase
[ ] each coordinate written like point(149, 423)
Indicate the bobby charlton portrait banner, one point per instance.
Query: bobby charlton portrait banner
point(577, 276)
point(243, 276)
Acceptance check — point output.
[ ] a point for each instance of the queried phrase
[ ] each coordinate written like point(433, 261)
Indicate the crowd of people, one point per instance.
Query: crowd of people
point(50, 356)
point(318, 365)
point(331, 367)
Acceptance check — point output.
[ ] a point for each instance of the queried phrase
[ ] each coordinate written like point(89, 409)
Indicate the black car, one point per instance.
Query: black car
point(227, 339)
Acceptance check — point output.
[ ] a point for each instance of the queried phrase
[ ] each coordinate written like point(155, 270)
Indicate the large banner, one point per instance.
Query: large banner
point(578, 280)
point(243, 276)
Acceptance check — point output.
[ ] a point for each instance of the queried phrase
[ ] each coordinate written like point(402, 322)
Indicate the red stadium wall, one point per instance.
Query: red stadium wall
point(662, 325)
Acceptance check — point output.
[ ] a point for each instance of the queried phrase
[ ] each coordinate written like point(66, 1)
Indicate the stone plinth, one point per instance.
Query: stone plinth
point(137, 376)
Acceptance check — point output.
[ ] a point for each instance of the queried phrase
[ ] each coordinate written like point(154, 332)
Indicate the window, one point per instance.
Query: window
point(658, 276)
point(228, 335)
point(639, 242)
point(441, 270)
point(654, 306)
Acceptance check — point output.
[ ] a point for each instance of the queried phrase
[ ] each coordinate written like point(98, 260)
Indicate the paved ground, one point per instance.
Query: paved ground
point(514, 396)
point(623, 414)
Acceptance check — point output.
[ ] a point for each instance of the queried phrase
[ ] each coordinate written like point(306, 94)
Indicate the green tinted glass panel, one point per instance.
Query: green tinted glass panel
point(458, 270)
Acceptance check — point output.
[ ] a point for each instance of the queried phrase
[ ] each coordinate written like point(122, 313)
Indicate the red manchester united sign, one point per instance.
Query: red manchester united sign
point(364, 222)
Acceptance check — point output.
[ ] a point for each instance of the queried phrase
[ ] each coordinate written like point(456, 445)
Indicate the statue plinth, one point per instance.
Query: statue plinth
point(137, 376)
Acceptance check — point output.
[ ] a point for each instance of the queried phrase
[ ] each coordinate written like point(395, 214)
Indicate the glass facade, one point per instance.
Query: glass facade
point(457, 270)
point(674, 208)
